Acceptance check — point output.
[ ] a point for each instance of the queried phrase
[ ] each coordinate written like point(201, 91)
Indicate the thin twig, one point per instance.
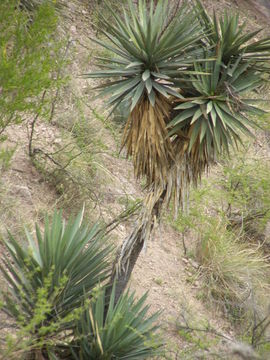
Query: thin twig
point(210, 331)
point(30, 149)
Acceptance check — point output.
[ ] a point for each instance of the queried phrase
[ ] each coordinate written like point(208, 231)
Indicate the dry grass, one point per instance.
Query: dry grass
point(232, 271)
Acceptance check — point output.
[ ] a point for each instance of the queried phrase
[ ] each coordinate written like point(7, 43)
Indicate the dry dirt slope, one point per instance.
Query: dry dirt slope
point(25, 195)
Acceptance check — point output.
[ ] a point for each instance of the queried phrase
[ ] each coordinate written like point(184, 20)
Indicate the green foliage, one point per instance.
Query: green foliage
point(245, 185)
point(228, 214)
point(71, 165)
point(237, 193)
point(199, 342)
point(214, 111)
point(212, 74)
point(118, 330)
point(5, 157)
point(81, 130)
point(30, 5)
point(150, 45)
point(58, 298)
point(230, 269)
point(233, 39)
point(49, 278)
point(28, 59)
point(98, 7)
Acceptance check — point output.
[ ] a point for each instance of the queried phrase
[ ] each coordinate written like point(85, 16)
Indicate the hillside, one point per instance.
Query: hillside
point(76, 161)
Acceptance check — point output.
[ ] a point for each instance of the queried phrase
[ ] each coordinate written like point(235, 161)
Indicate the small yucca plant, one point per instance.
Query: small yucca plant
point(57, 269)
point(57, 296)
point(116, 331)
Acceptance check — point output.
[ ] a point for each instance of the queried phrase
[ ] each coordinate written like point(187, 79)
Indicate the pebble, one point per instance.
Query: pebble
point(73, 29)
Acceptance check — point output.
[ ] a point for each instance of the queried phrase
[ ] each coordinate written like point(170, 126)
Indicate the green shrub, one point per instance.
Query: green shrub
point(245, 185)
point(29, 58)
point(231, 270)
point(31, 5)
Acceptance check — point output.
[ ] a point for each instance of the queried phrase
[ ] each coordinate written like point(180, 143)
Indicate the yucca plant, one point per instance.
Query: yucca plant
point(215, 110)
point(233, 39)
point(205, 64)
point(151, 45)
point(185, 79)
point(116, 331)
point(57, 283)
point(214, 113)
point(49, 278)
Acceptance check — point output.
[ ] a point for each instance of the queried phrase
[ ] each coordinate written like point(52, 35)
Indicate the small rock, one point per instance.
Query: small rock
point(57, 141)
point(194, 264)
point(73, 29)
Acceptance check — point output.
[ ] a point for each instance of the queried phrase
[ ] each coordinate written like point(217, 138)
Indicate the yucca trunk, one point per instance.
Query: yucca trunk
point(132, 246)
point(147, 141)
